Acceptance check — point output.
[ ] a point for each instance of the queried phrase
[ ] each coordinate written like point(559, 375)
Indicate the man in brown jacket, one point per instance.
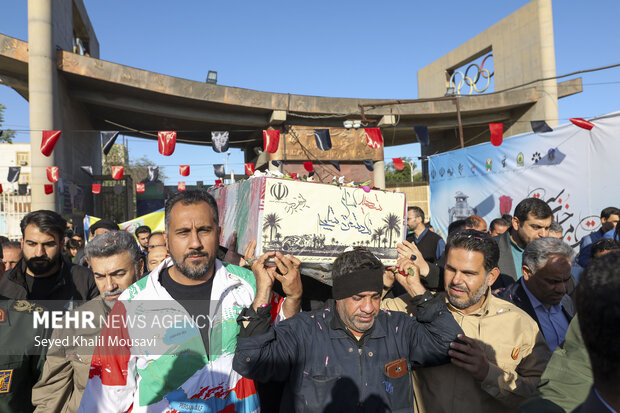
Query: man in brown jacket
point(500, 359)
point(114, 258)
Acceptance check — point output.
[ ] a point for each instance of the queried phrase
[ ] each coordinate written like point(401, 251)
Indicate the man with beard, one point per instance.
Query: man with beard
point(531, 221)
point(498, 362)
point(115, 261)
point(42, 275)
point(189, 366)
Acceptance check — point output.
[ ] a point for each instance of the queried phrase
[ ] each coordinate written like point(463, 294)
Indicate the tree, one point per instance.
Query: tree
point(392, 224)
point(6, 135)
point(272, 222)
point(138, 170)
point(394, 176)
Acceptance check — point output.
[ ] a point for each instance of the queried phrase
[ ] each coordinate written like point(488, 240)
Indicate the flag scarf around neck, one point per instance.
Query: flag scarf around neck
point(220, 141)
point(166, 141)
point(271, 140)
point(108, 138)
point(323, 140)
point(52, 173)
point(49, 140)
point(373, 137)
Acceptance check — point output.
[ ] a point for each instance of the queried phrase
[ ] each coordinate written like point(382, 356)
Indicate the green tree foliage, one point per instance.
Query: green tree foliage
point(394, 176)
point(137, 168)
point(6, 135)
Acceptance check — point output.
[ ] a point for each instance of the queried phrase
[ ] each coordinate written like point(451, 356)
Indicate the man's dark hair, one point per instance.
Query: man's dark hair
point(143, 229)
point(73, 243)
point(601, 245)
point(507, 218)
point(103, 223)
point(193, 196)
point(355, 260)
point(11, 244)
point(501, 222)
point(4, 240)
point(48, 222)
point(456, 226)
point(537, 207)
point(599, 316)
point(609, 211)
point(113, 243)
point(472, 240)
point(418, 211)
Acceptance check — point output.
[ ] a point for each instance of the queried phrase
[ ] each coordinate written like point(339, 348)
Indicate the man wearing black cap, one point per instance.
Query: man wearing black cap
point(348, 356)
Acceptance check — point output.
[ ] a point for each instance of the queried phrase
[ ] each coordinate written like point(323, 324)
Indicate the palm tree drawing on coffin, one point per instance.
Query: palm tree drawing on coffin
point(271, 224)
point(392, 225)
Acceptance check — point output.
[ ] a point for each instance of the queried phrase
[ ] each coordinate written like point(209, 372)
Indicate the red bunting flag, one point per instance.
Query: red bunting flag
point(117, 172)
point(52, 173)
point(1, 190)
point(181, 186)
point(49, 188)
point(140, 188)
point(49, 141)
point(308, 166)
point(218, 182)
point(582, 123)
point(373, 137)
point(398, 164)
point(497, 133)
point(250, 168)
point(294, 175)
point(271, 140)
point(96, 189)
point(184, 170)
point(167, 141)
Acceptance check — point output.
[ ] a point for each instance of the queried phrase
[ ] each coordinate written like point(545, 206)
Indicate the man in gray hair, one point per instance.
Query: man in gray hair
point(114, 258)
point(542, 291)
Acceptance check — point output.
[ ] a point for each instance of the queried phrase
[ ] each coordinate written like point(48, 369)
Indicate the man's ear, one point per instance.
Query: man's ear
point(515, 223)
point(527, 273)
point(493, 274)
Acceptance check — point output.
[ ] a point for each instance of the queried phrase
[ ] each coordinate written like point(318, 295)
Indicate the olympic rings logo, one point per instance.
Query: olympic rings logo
point(472, 82)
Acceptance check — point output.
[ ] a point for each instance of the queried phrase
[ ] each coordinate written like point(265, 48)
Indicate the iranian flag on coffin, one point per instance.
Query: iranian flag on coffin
point(310, 220)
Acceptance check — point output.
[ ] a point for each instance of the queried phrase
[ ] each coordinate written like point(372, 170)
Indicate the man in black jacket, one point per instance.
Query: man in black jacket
point(42, 275)
point(430, 244)
point(349, 356)
point(541, 292)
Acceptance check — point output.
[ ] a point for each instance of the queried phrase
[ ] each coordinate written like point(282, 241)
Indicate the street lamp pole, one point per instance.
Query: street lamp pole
point(410, 169)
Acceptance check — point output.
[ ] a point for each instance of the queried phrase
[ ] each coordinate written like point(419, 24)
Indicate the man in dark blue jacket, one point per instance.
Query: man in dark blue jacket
point(350, 356)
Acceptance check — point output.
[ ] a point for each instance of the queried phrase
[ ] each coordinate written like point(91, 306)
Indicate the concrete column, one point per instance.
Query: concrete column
point(41, 80)
point(548, 90)
point(379, 174)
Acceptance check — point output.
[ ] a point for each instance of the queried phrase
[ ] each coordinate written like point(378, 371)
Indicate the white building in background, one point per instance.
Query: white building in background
point(15, 200)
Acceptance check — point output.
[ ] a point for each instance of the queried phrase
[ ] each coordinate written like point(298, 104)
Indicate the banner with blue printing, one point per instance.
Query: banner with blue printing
point(570, 168)
point(154, 220)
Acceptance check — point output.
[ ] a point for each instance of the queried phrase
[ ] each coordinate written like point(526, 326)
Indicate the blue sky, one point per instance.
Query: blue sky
point(339, 48)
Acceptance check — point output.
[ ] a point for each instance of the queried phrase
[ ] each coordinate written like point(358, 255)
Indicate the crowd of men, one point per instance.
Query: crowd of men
point(498, 317)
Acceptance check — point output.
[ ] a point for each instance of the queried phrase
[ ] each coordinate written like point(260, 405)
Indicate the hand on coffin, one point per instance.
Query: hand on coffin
point(287, 272)
point(250, 253)
point(389, 277)
point(265, 277)
point(410, 251)
point(408, 275)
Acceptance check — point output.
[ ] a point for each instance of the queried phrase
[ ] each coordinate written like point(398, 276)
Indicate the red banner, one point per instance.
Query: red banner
point(49, 188)
point(96, 189)
point(184, 170)
point(497, 133)
point(117, 172)
point(181, 186)
point(398, 164)
point(140, 188)
point(49, 141)
point(308, 166)
point(250, 168)
point(582, 123)
point(167, 141)
point(52, 173)
point(373, 137)
point(271, 140)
